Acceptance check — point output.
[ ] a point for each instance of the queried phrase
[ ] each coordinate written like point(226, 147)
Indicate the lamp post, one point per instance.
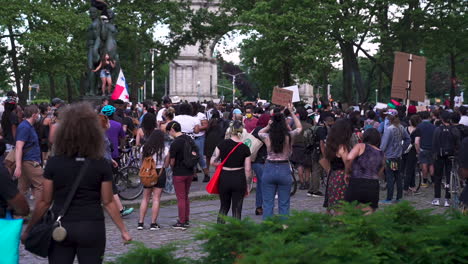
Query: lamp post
point(198, 90)
point(376, 95)
point(234, 84)
point(152, 72)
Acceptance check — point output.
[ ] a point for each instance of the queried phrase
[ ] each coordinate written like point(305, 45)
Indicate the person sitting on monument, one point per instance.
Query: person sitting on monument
point(106, 65)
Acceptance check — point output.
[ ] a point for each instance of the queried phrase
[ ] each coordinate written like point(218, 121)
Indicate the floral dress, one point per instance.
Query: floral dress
point(336, 185)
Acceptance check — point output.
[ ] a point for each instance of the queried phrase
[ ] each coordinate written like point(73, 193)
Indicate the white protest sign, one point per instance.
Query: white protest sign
point(295, 90)
point(380, 106)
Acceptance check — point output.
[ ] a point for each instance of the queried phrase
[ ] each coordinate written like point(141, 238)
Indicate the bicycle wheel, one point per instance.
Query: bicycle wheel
point(128, 183)
point(454, 188)
point(294, 180)
point(417, 178)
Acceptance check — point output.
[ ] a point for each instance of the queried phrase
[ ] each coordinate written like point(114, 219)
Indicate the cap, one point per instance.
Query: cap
point(412, 109)
point(56, 101)
point(237, 111)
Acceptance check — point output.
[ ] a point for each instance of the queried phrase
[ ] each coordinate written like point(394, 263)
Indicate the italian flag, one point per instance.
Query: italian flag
point(120, 91)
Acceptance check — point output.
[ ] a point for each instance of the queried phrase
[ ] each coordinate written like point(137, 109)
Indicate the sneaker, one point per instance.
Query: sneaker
point(436, 202)
point(140, 226)
point(309, 193)
point(447, 203)
point(424, 185)
point(187, 224)
point(179, 226)
point(206, 178)
point(154, 226)
point(259, 211)
point(126, 211)
point(386, 202)
point(317, 194)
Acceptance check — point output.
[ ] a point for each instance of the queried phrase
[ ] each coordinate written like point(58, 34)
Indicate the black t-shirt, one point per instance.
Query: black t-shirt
point(325, 114)
point(237, 158)
point(463, 155)
point(8, 188)
point(322, 133)
point(129, 123)
point(425, 131)
point(176, 152)
point(86, 204)
point(7, 132)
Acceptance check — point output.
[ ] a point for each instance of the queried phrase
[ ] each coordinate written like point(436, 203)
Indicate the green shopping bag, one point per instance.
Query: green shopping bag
point(10, 232)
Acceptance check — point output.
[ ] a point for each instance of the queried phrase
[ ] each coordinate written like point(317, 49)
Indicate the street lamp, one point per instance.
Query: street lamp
point(376, 95)
point(234, 84)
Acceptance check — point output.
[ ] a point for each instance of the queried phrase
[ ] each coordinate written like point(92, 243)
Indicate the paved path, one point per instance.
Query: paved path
point(202, 212)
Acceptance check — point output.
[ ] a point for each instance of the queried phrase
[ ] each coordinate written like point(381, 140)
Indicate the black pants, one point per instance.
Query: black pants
point(442, 168)
point(409, 162)
point(85, 239)
point(232, 188)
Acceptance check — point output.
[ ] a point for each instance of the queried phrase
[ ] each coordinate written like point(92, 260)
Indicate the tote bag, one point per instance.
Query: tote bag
point(9, 240)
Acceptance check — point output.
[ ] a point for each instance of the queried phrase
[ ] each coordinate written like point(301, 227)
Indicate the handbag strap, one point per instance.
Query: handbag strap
point(225, 159)
point(72, 192)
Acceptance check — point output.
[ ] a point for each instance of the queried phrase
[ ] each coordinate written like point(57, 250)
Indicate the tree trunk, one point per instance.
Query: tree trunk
point(453, 79)
point(347, 75)
point(69, 89)
point(14, 60)
point(51, 85)
point(23, 94)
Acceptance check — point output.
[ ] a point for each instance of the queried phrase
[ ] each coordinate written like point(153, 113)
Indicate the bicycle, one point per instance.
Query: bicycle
point(455, 186)
point(128, 183)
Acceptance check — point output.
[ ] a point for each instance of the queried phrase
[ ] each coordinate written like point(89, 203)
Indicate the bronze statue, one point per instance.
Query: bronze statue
point(94, 42)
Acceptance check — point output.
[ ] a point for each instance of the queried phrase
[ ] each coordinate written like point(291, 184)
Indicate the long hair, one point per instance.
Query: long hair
point(215, 121)
point(339, 135)
point(236, 128)
point(6, 115)
point(154, 145)
point(148, 124)
point(79, 133)
point(278, 133)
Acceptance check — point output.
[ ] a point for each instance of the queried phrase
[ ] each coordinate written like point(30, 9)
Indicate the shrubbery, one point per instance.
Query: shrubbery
point(398, 234)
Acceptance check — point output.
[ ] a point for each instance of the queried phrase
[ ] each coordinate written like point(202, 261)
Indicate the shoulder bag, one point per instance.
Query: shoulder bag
point(39, 238)
point(212, 186)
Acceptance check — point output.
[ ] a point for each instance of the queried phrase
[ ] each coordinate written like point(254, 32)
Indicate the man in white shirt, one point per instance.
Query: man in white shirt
point(464, 116)
point(200, 139)
point(167, 102)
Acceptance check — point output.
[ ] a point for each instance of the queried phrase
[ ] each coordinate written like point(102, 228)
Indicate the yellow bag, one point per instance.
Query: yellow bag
point(148, 173)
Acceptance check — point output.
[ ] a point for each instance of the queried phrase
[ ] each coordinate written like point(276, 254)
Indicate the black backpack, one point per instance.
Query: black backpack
point(312, 142)
point(463, 131)
point(446, 141)
point(191, 156)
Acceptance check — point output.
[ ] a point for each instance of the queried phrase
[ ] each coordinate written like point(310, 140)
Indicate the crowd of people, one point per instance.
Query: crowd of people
point(350, 152)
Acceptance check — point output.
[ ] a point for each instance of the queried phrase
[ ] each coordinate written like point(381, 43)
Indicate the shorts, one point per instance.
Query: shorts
point(365, 191)
point(425, 157)
point(105, 74)
point(298, 156)
point(161, 181)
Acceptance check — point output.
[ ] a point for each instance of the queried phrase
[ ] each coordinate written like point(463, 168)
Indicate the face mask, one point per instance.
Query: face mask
point(248, 115)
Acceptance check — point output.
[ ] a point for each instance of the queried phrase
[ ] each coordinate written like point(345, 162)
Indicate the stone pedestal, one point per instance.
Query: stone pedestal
point(194, 75)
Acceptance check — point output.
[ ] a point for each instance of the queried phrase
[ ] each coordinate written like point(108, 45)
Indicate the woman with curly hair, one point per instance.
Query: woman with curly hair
point(79, 139)
point(336, 152)
point(277, 171)
point(156, 148)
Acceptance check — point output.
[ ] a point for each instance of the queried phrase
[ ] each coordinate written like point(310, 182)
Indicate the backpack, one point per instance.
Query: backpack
point(191, 156)
point(312, 142)
point(446, 142)
point(148, 173)
point(463, 131)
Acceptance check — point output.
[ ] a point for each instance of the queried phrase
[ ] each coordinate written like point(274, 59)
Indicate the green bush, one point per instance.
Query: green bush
point(397, 234)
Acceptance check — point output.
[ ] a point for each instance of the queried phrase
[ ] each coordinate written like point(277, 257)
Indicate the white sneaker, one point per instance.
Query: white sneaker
point(436, 202)
point(447, 203)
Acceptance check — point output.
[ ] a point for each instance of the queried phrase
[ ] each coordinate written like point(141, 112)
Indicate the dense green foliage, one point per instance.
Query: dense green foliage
point(397, 234)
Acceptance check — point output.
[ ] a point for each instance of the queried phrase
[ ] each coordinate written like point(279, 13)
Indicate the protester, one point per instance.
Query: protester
point(258, 164)
point(250, 121)
point(299, 158)
point(410, 159)
point(236, 171)
point(182, 175)
point(154, 147)
point(393, 148)
point(148, 125)
point(200, 137)
point(336, 153)
point(277, 171)
point(446, 143)
point(10, 122)
point(79, 139)
point(423, 144)
point(28, 169)
point(214, 134)
point(105, 65)
point(464, 115)
point(367, 164)
point(167, 103)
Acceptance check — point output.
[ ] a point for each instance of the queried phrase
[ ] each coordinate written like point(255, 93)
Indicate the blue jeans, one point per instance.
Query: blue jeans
point(200, 142)
point(258, 169)
point(276, 178)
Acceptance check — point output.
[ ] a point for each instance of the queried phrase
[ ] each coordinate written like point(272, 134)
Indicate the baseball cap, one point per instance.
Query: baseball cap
point(56, 101)
point(237, 111)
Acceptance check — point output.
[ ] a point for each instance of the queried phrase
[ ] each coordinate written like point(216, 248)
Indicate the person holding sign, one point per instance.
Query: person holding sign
point(277, 171)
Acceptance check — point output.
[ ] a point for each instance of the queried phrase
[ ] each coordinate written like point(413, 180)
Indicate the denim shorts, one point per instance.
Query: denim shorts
point(425, 157)
point(105, 74)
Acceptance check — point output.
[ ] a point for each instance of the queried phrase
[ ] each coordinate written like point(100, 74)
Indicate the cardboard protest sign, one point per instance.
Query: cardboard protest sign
point(402, 74)
point(281, 96)
point(295, 90)
point(421, 108)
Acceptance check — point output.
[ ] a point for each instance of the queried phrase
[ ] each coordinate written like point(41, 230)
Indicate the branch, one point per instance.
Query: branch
point(11, 35)
point(365, 34)
point(374, 60)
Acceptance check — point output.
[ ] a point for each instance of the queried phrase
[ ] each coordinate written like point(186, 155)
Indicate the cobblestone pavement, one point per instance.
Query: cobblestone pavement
point(204, 211)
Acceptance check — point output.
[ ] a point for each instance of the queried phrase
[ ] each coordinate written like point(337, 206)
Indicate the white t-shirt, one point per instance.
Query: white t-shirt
point(160, 162)
point(187, 123)
point(159, 117)
point(200, 116)
point(464, 120)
